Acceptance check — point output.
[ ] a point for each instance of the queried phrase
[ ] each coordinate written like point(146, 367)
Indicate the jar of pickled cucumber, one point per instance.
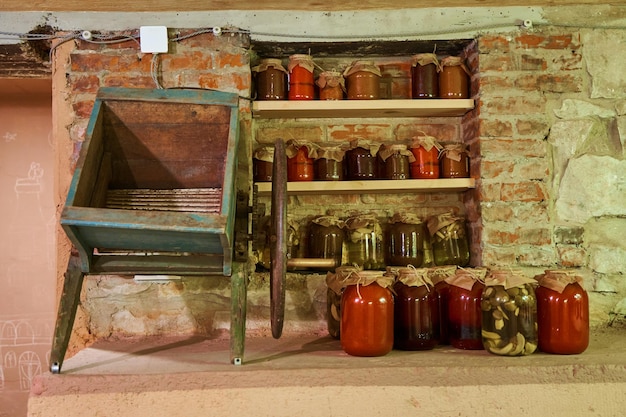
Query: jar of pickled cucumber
point(336, 283)
point(464, 312)
point(509, 313)
point(364, 243)
point(449, 239)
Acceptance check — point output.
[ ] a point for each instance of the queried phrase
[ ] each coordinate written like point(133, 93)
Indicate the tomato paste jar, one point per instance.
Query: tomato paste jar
point(363, 81)
point(416, 312)
point(425, 76)
point(454, 78)
point(563, 312)
point(299, 162)
point(364, 242)
point(426, 151)
point(332, 85)
point(464, 314)
point(329, 164)
point(326, 238)
point(454, 162)
point(396, 159)
point(367, 314)
point(270, 79)
point(301, 81)
point(405, 240)
point(449, 239)
point(263, 163)
point(362, 161)
point(509, 313)
point(335, 281)
point(438, 276)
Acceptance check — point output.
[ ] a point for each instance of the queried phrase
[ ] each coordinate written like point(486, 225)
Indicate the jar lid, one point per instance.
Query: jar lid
point(508, 278)
point(269, 63)
point(264, 153)
point(558, 279)
point(328, 221)
point(408, 218)
point(368, 277)
point(362, 66)
point(303, 60)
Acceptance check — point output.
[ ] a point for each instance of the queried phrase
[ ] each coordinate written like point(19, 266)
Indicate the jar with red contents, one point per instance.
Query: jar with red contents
point(438, 276)
point(416, 313)
point(367, 314)
point(454, 162)
point(454, 78)
point(363, 81)
point(362, 161)
point(301, 81)
point(405, 240)
point(299, 162)
point(464, 313)
point(426, 151)
point(329, 163)
point(263, 163)
point(425, 76)
point(270, 78)
point(396, 159)
point(332, 85)
point(562, 312)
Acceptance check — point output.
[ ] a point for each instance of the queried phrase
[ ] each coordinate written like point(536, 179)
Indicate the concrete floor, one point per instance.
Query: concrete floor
point(311, 375)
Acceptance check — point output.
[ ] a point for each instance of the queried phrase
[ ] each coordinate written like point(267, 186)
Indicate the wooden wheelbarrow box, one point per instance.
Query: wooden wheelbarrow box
point(153, 191)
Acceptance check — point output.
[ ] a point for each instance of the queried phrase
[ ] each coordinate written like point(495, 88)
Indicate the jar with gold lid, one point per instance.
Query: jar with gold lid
point(363, 81)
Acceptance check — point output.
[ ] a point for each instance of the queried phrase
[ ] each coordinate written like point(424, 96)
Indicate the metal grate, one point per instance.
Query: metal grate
point(202, 200)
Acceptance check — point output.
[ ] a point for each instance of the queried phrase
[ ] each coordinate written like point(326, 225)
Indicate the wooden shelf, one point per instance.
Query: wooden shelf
point(286, 109)
point(372, 186)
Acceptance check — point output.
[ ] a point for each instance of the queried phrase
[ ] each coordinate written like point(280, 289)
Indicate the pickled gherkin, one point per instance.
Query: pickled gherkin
point(449, 240)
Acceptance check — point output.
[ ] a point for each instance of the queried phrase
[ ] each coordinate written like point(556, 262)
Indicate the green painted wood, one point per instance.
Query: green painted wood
point(239, 294)
point(157, 265)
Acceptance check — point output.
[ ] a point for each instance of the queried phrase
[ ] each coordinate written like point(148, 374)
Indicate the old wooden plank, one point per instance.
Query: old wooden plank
point(158, 264)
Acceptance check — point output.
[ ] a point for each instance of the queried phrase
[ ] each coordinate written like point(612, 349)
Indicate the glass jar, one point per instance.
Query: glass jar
point(331, 85)
point(449, 240)
point(329, 163)
point(395, 81)
point(335, 281)
point(425, 150)
point(562, 312)
point(396, 159)
point(299, 163)
point(464, 313)
point(363, 81)
point(438, 276)
point(326, 238)
point(454, 78)
point(405, 240)
point(364, 244)
point(367, 314)
point(362, 162)
point(454, 162)
point(270, 79)
point(425, 76)
point(416, 311)
point(263, 163)
point(301, 82)
point(509, 314)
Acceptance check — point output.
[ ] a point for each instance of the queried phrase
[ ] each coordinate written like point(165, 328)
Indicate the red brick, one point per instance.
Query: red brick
point(129, 82)
point(188, 61)
point(538, 256)
point(495, 128)
point(82, 109)
point(496, 83)
point(497, 212)
point(85, 83)
point(532, 63)
point(443, 132)
point(516, 105)
point(268, 133)
point(371, 132)
point(498, 256)
point(491, 43)
point(523, 191)
point(529, 40)
point(537, 127)
point(518, 147)
point(496, 62)
point(569, 61)
point(495, 169)
point(571, 256)
point(122, 63)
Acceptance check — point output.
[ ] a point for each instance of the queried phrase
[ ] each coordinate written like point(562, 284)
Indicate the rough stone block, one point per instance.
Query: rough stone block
point(605, 66)
point(568, 235)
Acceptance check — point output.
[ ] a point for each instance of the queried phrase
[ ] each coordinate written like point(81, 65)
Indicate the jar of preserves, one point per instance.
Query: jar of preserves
point(364, 244)
point(454, 78)
point(405, 240)
point(395, 81)
point(332, 85)
point(326, 238)
point(509, 314)
point(362, 161)
point(426, 151)
point(363, 81)
point(562, 312)
point(271, 80)
point(263, 163)
point(416, 312)
point(367, 309)
point(335, 281)
point(454, 162)
point(328, 164)
point(396, 159)
point(449, 239)
point(464, 313)
point(438, 276)
point(301, 81)
point(299, 161)
point(425, 76)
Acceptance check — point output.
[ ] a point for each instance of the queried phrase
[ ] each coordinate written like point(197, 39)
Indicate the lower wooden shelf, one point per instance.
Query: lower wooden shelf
point(372, 186)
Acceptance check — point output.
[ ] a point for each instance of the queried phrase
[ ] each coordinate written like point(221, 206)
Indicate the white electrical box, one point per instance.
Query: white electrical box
point(153, 39)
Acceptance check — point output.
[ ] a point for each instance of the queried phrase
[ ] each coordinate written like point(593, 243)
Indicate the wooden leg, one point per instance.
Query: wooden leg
point(238, 294)
point(68, 304)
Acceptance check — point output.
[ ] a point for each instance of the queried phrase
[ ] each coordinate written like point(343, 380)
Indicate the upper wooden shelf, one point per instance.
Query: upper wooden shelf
point(372, 186)
point(285, 109)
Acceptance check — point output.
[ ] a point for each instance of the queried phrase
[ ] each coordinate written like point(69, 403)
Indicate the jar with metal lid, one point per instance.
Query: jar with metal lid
point(270, 79)
point(301, 81)
point(299, 161)
point(438, 276)
point(363, 81)
point(367, 314)
point(364, 242)
point(405, 240)
point(562, 312)
point(416, 312)
point(425, 76)
point(328, 163)
point(454, 78)
point(449, 239)
point(396, 159)
point(263, 163)
point(454, 162)
point(326, 238)
point(425, 150)
point(509, 313)
point(332, 85)
point(335, 281)
point(362, 161)
point(464, 313)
